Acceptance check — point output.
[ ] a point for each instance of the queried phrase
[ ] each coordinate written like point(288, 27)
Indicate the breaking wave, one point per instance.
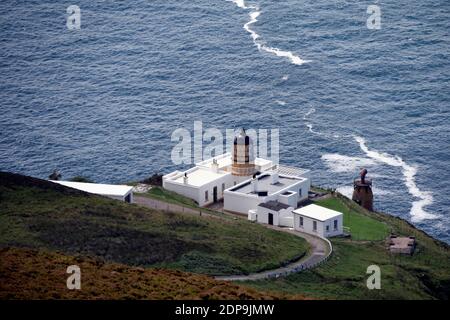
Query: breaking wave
point(254, 14)
point(340, 163)
point(409, 172)
point(310, 126)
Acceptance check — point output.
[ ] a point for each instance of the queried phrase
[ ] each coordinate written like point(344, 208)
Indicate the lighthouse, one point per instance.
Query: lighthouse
point(362, 191)
point(242, 156)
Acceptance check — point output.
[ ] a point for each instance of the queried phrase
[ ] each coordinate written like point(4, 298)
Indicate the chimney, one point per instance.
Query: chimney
point(274, 178)
point(215, 166)
point(185, 178)
point(254, 183)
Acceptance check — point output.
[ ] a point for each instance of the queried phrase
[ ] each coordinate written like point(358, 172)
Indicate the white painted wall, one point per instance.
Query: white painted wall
point(240, 203)
point(334, 232)
point(210, 188)
point(321, 226)
point(182, 189)
point(282, 218)
point(252, 215)
point(120, 198)
point(290, 199)
point(263, 216)
point(198, 193)
point(286, 218)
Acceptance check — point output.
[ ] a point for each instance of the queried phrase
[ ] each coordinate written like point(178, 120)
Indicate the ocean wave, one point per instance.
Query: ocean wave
point(409, 172)
point(340, 163)
point(310, 127)
point(254, 14)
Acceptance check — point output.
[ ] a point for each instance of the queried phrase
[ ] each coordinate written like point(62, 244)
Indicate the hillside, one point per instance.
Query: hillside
point(36, 213)
point(425, 275)
point(34, 274)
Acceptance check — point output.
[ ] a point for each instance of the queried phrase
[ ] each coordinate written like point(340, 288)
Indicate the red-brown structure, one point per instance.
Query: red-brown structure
point(362, 191)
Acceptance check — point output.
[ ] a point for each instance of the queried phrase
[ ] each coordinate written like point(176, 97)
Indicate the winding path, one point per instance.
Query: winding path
point(320, 247)
point(319, 252)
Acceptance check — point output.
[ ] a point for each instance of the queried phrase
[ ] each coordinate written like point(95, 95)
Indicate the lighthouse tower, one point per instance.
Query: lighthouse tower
point(362, 191)
point(242, 156)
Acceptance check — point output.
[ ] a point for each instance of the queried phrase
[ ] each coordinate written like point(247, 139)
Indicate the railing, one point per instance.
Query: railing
point(303, 267)
point(367, 181)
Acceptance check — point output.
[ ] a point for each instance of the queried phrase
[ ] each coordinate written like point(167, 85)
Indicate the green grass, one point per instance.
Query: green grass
point(159, 193)
point(425, 275)
point(41, 214)
point(362, 227)
point(170, 197)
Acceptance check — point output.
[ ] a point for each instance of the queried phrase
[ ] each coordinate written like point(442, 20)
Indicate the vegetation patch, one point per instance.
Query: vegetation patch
point(41, 214)
point(424, 275)
point(361, 227)
point(38, 274)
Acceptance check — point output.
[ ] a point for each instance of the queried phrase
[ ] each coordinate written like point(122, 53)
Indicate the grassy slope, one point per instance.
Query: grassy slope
point(170, 197)
point(362, 227)
point(425, 275)
point(33, 274)
point(40, 214)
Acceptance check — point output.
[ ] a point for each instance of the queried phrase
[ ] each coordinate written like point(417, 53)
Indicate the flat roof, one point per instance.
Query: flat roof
point(224, 160)
point(97, 188)
point(200, 176)
point(317, 212)
point(273, 205)
point(265, 184)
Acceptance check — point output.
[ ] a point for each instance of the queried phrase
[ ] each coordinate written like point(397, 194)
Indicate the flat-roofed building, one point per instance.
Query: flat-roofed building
point(268, 186)
point(318, 220)
point(233, 177)
point(273, 213)
point(204, 185)
point(114, 191)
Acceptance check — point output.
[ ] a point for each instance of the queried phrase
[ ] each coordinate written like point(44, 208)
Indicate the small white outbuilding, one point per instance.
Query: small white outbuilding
point(114, 191)
point(273, 213)
point(318, 220)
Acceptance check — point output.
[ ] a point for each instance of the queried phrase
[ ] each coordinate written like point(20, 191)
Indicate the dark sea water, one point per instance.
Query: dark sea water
point(103, 101)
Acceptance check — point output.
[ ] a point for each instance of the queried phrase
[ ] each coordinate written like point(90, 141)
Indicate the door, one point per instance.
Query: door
point(215, 194)
point(271, 218)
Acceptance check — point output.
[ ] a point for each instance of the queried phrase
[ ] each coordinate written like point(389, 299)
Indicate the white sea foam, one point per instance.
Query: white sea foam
point(285, 77)
point(254, 14)
point(310, 126)
point(281, 102)
point(310, 112)
point(340, 163)
point(409, 172)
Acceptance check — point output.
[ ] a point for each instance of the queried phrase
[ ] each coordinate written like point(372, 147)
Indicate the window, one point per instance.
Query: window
point(314, 225)
point(206, 195)
point(235, 183)
point(301, 222)
point(223, 187)
point(335, 224)
point(300, 192)
point(328, 228)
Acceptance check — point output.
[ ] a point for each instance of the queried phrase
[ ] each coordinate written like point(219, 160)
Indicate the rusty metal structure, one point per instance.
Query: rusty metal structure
point(362, 191)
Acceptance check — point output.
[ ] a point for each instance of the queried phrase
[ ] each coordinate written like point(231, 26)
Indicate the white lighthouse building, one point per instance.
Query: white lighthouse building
point(242, 180)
